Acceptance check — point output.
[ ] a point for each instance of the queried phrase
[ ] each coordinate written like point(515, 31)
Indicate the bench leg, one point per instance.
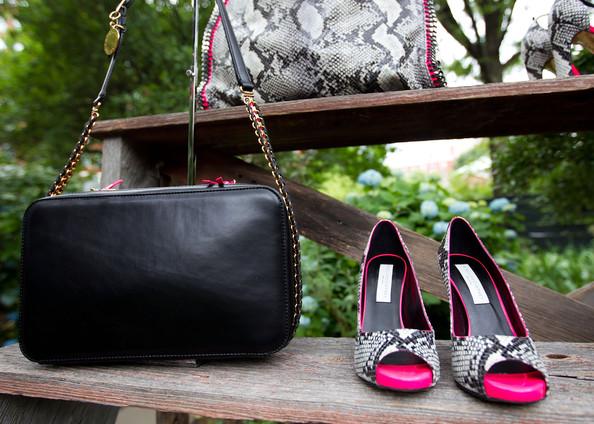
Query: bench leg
point(20, 409)
point(137, 165)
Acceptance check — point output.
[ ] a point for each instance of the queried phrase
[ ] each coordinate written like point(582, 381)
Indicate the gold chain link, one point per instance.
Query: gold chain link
point(64, 177)
point(262, 135)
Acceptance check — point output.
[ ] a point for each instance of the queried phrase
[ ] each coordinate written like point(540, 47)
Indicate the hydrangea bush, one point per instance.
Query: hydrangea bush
point(423, 204)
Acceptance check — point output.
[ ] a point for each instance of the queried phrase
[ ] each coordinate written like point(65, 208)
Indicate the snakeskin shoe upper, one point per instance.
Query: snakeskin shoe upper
point(475, 355)
point(407, 330)
point(567, 19)
point(372, 347)
point(536, 50)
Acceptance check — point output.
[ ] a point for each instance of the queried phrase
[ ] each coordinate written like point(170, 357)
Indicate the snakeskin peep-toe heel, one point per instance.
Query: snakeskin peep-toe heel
point(395, 345)
point(493, 356)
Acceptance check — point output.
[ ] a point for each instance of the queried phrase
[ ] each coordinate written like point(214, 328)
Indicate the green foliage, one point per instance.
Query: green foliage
point(54, 65)
point(402, 200)
point(461, 67)
point(557, 168)
point(478, 151)
point(583, 60)
point(324, 168)
point(329, 292)
point(560, 270)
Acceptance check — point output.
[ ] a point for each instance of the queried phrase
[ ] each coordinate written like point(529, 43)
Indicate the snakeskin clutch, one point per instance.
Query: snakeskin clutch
point(308, 48)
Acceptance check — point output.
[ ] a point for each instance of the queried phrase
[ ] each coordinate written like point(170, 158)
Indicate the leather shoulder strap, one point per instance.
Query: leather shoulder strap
point(244, 78)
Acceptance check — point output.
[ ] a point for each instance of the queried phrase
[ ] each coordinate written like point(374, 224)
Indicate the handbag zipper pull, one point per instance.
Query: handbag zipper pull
point(218, 181)
point(110, 187)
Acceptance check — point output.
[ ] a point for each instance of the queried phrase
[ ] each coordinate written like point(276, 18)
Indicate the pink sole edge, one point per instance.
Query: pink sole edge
point(516, 388)
point(404, 377)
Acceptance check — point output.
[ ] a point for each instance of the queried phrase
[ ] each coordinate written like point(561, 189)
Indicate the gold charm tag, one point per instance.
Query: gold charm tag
point(112, 40)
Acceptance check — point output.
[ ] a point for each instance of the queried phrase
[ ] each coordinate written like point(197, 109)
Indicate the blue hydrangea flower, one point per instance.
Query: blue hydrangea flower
point(309, 304)
point(304, 321)
point(426, 188)
point(12, 316)
point(458, 207)
point(370, 178)
point(501, 204)
point(440, 227)
point(510, 234)
point(429, 209)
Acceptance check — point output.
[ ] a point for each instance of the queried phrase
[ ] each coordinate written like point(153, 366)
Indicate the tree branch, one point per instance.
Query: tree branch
point(446, 18)
point(470, 12)
point(506, 19)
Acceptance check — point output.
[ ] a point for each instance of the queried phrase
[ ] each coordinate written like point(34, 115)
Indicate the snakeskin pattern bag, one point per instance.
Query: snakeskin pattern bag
point(297, 49)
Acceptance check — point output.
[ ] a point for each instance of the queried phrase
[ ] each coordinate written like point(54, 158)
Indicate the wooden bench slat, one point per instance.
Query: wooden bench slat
point(478, 111)
point(19, 409)
point(584, 294)
point(311, 380)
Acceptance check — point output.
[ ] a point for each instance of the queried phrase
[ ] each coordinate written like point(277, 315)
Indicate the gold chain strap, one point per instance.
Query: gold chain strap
point(62, 180)
point(264, 141)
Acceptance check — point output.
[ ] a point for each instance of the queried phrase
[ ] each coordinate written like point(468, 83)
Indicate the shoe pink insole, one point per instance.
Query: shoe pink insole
point(404, 377)
point(516, 387)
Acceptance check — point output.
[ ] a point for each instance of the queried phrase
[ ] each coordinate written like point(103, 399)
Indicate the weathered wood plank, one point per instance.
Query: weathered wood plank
point(584, 294)
point(477, 111)
point(20, 409)
point(311, 380)
point(137, 166)
point(550, 315)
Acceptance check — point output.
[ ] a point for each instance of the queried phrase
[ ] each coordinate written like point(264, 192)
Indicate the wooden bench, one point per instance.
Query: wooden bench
point(313, 379)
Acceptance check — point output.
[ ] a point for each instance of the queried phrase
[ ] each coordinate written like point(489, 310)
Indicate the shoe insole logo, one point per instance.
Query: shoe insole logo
point(479, 296)
point(383, 293)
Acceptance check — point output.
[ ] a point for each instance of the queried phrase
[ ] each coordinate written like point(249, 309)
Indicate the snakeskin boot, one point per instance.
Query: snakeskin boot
point(537, 51)
point(493, 356)
point(395, 345)
point(569, 23)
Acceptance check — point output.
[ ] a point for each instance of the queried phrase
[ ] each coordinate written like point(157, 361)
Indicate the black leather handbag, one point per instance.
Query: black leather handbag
point(207, 271)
